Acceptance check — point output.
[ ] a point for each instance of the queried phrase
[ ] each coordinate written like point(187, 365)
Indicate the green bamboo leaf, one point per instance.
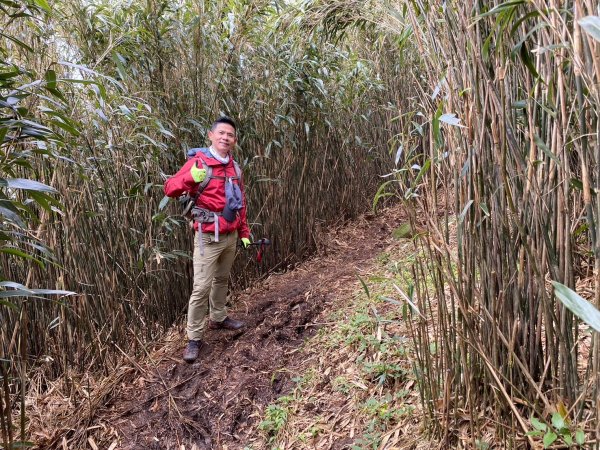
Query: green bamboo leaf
point(43, 4)
point(527, 59)
point(56, 93)
point(7, 75)
point(159, 217)
point(541, 144)
point(52, 292)
point(12, 284)
point(101, 114)
point(517, 23)
point(29, 124)
point(163, 203)
point(44, 200)
point(408, 299)
point(17, 41)
point(16, 252)
point(435, 126)
point(41, 248)
point(29, 185)
point(591, 25)
point(120, 61)
point(7, 303)
point(485, 209)
point(530, 33)
point(67, 127)
point(39, 293)
point(501, 8)
point(578, 305)
point(381, 193)
point(398, 155)
point(12, 216)
point(423, 170)
point(576, 183)
point(50, 77)
point(125, 110)
point(462, 215)
point(364, 285)
point(451, 119)
point(90, 72)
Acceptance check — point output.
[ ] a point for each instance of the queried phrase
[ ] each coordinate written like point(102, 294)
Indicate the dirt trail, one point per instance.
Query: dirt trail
point(215, 402)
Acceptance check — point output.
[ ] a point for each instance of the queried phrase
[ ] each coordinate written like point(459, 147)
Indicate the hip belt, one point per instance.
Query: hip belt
point(202, 215)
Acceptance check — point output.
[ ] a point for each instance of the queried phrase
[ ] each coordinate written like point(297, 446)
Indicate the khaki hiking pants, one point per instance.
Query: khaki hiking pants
point(211, 275)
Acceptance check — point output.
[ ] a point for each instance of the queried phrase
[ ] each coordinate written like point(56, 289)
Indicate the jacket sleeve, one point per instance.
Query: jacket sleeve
point(182, 181)
point(243, 229)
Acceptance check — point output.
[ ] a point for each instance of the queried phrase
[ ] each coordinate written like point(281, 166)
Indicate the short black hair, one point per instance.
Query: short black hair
point(223, 119)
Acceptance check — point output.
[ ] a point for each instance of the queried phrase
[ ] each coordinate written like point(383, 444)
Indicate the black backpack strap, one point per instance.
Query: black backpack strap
point(209, 176)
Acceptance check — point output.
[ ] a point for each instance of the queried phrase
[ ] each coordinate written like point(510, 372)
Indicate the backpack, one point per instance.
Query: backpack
point(188, 201)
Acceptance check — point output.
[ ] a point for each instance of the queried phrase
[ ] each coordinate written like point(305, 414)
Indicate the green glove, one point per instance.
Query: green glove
point(245, 242)
point(198, 174)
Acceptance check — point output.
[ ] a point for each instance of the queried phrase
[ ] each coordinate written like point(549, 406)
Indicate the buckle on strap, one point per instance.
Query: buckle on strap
point(202, 215)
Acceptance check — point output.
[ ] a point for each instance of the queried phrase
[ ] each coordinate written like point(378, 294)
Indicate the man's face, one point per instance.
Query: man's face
point(222, 138)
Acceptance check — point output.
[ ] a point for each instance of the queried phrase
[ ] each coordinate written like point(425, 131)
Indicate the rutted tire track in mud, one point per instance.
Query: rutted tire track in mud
point(214, 403)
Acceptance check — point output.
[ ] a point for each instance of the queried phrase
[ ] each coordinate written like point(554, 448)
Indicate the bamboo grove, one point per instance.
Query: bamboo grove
point(503, 131)
point(489, 111)
point(510, 142)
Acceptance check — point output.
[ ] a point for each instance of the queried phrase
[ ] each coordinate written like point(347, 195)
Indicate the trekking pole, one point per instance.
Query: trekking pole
point(261, 244)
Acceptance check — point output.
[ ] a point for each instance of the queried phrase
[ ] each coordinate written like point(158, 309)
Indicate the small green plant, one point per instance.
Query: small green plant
point(560, 429)
point(358, 331)
point(341, 384)
point(383, 258)
point(311, 433)
point(370, 440)
point(383, 372)
point(275, 419)
point(481, 445)
point(304, 380)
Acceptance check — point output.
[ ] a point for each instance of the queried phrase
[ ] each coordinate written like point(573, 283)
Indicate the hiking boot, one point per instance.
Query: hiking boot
point(190, 354)
point(227, 324)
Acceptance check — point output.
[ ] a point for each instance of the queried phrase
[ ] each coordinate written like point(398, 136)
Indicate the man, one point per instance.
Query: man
point(213, 179)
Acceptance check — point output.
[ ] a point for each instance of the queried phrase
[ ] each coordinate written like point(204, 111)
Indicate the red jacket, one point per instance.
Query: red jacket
point(213, 196)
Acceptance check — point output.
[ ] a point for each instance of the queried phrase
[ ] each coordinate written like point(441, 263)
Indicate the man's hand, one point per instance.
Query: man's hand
point(245, 242)
point(198, 174)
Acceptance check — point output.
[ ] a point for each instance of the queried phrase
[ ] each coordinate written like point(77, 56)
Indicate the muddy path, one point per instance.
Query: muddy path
point(215, 403)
